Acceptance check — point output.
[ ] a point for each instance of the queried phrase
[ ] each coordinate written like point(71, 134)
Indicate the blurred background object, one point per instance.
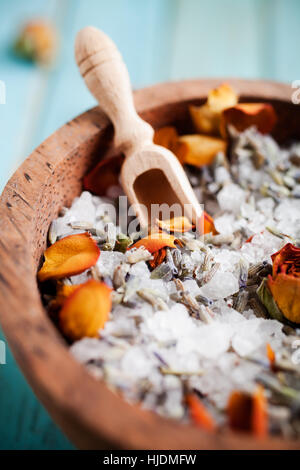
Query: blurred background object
point(160, 40)
point(37, 42)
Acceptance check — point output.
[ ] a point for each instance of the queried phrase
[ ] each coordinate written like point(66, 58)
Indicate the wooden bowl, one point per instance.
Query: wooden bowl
point(91, 415)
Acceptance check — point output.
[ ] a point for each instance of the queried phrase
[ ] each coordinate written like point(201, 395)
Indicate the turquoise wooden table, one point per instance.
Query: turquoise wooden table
point(160, 40)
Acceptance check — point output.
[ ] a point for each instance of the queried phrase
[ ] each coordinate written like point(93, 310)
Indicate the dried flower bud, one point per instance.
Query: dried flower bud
point(37, 42)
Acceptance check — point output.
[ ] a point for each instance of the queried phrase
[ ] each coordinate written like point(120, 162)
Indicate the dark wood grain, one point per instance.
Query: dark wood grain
point(91, 415)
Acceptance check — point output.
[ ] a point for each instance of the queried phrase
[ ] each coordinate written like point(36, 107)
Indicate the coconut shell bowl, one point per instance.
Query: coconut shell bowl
point(89, 413)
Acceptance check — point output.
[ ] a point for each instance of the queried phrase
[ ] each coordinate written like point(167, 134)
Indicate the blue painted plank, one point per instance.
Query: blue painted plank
point(215, 39)
point(24, 423)
point(237, 38)
point(21, 79)
point(285, 40)
point(141, 29)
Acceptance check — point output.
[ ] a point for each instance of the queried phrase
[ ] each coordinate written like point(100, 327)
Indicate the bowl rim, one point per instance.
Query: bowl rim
point(36, 344)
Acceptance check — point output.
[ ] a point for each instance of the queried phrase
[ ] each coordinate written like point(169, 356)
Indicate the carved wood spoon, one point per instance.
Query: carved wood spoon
point(150, 173)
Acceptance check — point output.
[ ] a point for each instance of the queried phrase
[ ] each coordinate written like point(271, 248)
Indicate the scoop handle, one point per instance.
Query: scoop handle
point(106, 76)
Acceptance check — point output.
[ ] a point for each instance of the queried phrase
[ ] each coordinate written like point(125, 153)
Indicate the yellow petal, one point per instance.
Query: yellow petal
point(155, 242)
point(166, 137)
point(285, 290)
point(176, 224)
point(69, 256)
point(207, 118)
point(199, 150)
point(86, 310)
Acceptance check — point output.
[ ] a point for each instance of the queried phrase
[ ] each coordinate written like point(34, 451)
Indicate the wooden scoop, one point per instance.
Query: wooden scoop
point(150, 173)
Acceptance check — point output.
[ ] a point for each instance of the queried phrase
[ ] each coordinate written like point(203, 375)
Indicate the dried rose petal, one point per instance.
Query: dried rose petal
point(86, 310)
point(280, 292)
point(176, 224)
point(69, 256)
point(155, 241)
point(259, 418)
point(199, 414)
point(104, 175)
point(166, 137)
point(206, 224)
point(270, 355)
point(158, 258)
point(244, 115)
point(207, 118)
point(248, 412)
point(199, 150)
point(239, 410)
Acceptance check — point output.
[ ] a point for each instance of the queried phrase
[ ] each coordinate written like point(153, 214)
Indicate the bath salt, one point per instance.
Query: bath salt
point(220, 286)
point(231, 197)
point(194, 321)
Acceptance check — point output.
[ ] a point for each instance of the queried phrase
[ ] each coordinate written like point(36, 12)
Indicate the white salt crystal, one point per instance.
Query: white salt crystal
point(191, 286)
point(123, 326)
point(80, 278)
point(140, 269)
point(266, 206)
point(225, 224)
point(261, 247)
point(222, 175)
point(169, 325)
point(83, 209)
point(209, 341)
point(173, 404)
point(231, 197)
point(108, 261)
point(155, 284)
point(135, 363)
point(228, 259)
point(249, 175)
point(137, 254)
point(87, 349)
point(220, 286)
point(288, 215)
point(253, 334)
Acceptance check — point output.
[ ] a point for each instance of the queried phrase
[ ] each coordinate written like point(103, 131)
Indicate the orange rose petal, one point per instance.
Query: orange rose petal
point(166, 137)
point(244, 115)
point(69, 256)
point(64, 291)
point(271, 355)
point(158, 258)
point(248, 413)
point(199, 150)
point(206, 224)
point(199, 414)
point(289, 254)
point(176, 224)
point(284, 284)
point(285, 290)
point(239, 410)
point(104, 175)
point(259, 419)
point(85, 311)
point(206, 118)
point(222, 97)
point(155, 242)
